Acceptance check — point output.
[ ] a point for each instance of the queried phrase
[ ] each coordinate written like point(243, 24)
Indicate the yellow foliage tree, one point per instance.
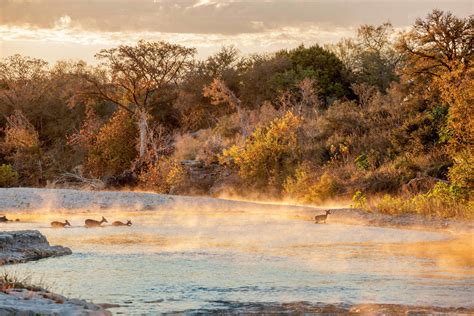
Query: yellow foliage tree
point(270, 154)
point(114, 148)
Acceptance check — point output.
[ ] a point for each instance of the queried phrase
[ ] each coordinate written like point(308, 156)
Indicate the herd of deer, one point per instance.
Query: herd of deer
point(89, 223)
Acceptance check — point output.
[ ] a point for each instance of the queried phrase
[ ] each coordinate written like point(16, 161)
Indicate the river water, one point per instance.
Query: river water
point(193, 260)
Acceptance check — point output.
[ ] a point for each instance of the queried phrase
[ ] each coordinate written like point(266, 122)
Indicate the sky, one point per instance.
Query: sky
point(77, 29)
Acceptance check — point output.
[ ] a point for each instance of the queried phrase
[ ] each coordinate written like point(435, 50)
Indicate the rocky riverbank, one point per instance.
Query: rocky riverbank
point(27, 245)
point(41, 302)
point(18, 299)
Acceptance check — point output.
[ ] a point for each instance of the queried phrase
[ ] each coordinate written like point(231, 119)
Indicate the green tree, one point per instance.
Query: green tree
point(319, 64)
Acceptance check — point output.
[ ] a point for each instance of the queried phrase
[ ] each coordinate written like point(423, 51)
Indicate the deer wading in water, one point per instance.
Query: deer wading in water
point(94, 223)
point(60, 225)
point(118, 223)
point(321, 218)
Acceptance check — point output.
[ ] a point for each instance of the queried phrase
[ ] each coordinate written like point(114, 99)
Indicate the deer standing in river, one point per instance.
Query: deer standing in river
point(321, 218)
point(60, 225)
point(94, 223)
point(118, 223)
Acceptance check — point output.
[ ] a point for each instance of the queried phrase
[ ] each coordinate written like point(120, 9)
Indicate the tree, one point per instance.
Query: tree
point(133, 77)
point(23, 82)
point(438, 54)
point(219, 93)
point(319, 64)
point(196, 111)
point(22, 147)
point(109, 152)
point(371, 56)
point(435, 45)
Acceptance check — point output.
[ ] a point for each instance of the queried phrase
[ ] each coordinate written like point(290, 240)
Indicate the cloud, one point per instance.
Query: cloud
point(217, 16)
point(251, 25)
point(63, 32)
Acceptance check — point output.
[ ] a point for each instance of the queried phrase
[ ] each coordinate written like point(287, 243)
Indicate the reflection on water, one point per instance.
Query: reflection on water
point(194, 260)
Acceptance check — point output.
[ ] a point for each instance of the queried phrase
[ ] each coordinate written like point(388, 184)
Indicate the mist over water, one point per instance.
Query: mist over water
point(197, 259)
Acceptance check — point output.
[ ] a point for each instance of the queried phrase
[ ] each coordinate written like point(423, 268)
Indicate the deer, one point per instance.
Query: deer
point(94, 223)
point(4, 219)
point(60, 225)
point(321, 218)
point(118, 223)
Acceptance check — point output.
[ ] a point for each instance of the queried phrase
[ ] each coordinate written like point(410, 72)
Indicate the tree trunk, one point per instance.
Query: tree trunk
point(143, 129)
point(243, 121)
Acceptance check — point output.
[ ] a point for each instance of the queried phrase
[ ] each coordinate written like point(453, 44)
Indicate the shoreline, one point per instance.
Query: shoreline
point(17, 201)
point(16, 297)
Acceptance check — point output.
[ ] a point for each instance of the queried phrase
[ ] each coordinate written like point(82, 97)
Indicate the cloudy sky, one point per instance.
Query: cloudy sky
point(63, 29)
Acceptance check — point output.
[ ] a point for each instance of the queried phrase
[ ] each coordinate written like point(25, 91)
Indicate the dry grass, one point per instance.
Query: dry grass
point(9, 281)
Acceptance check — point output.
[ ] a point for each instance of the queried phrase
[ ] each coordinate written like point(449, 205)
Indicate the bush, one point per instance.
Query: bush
point(203, 145)
point(324, 189)
point(296, 186)
point(443, 200)
point(186, 147)
point(362, 162)
point(163, 176)
point(22, 147)
point(462, 172)
point(270, 155)
point(305, 187)
point(359, 200)
point(8, 176)
point(113, 149)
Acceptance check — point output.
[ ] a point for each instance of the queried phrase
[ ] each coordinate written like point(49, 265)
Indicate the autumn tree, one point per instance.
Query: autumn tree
point(219, 93)
point(133, 77)
point(196, 111)
point(109, 152)
point(438, 55)
point(23, 149)
point(437, 44)
point(42, 94)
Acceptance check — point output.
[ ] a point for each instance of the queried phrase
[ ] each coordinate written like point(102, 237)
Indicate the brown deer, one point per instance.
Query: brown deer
point(118, 223)
point(60, 225)
point(3, 219)
point(321, 218)
point(94, 223)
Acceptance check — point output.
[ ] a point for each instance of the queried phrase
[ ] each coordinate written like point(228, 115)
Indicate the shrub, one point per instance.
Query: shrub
point(324, 189)
point(22, 148)
point(186, 147)
point(443, 200)
point(462, 172)
point(362, 162)
point(113, 150)
point(359, 200)
point(308, 188)
point(270, 155)
point(8, 176)
point(296, 185)
point(163, 176)
point(382, 180)
point(203, 145)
